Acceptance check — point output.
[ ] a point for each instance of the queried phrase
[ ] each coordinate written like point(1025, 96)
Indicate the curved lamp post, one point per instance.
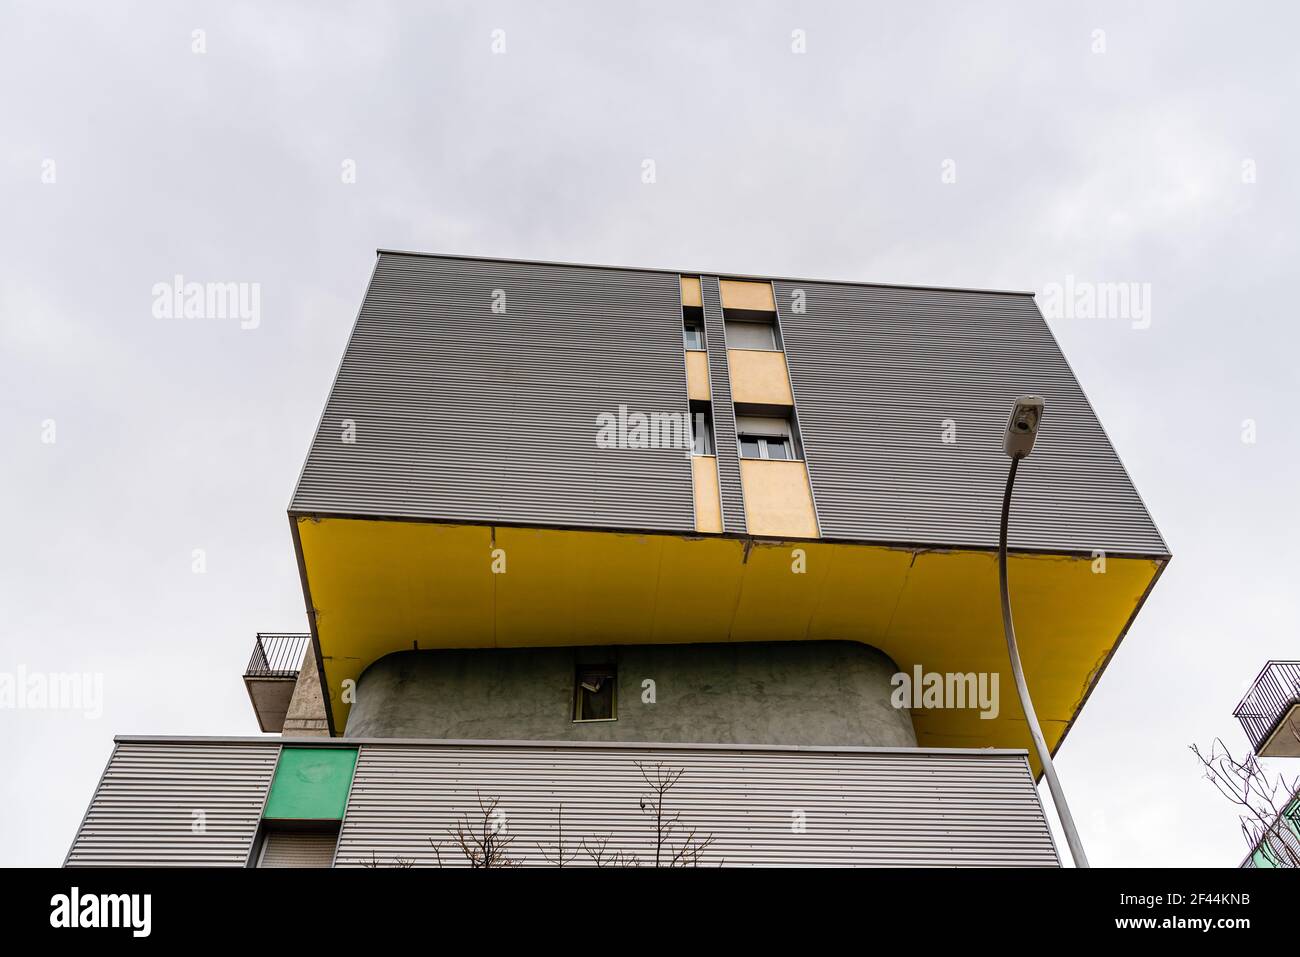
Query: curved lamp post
point(1022, 428)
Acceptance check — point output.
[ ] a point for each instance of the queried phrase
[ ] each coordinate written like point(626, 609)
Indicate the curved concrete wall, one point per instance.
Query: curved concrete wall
point(793, 693)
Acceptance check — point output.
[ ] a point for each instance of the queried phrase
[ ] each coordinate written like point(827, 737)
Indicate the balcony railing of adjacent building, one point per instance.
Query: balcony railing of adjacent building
point(277, 655)
point(1275, 692)
point(272, 675)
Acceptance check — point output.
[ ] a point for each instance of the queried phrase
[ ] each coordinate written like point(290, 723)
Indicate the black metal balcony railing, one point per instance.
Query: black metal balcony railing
point(277, 656)
point(1272, 695)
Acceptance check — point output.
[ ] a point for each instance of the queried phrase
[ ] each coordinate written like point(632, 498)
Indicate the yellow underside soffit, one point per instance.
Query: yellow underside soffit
point(383, 586)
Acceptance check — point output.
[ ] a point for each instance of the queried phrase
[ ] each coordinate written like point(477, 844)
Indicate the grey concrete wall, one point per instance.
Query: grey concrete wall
point(306, 715)
point(805, 692)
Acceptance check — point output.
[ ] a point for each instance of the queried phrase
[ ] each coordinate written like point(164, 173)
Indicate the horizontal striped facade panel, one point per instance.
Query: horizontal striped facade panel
point(748, 805)
point(177, 804)
point(462, 413)
point(466, 412)
point(903, 398)
point(774, 807)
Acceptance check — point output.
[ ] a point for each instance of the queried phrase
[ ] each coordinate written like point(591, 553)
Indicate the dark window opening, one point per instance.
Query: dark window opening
point(693, 328)
point(595, 695)
point(702, 428)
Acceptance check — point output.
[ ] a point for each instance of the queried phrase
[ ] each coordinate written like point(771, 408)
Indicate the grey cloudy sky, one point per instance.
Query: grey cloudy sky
point(1115, 166)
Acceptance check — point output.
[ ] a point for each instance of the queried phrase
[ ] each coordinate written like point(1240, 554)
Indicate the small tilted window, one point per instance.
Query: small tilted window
point(596, 694)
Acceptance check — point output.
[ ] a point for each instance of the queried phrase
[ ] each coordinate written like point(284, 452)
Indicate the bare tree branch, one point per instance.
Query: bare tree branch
point(480, 841)
point(1261, 801)
point(560, 859)
point(669, 850)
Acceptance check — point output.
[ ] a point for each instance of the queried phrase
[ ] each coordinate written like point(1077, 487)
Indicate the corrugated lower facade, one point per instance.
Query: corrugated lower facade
point(171, 803)
point(772, 806)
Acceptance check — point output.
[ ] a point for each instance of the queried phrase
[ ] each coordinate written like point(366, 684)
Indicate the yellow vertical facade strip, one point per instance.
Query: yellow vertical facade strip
point(759, 377)
point(744, 294)
point(778, 499)
point(697, 376)
point(708, 500)
point(691, 291)
point(794, 410)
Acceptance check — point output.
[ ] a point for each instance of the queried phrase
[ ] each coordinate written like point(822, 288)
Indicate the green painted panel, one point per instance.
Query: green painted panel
point(1264, 855)
point(311, 784)
point(1263, 859)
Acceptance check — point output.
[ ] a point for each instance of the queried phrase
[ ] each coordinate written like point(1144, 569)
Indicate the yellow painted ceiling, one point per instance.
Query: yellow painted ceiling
point(381, 586)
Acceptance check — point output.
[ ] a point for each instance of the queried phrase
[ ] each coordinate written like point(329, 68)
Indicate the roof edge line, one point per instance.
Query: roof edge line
point(312, 514)
point(382, 250)
point(343, 742)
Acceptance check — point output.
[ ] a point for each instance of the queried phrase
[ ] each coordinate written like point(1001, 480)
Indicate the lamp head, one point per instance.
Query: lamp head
point(1022, 427)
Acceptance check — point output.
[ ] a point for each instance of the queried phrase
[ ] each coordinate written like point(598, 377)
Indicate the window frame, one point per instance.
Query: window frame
point(269, 829)
point(785, 441)
point(702, 417)
point(697, 327)
point(732, 327)
point(611, 673)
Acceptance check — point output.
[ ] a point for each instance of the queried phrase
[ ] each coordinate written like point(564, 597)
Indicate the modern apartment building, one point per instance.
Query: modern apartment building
point(567, 534)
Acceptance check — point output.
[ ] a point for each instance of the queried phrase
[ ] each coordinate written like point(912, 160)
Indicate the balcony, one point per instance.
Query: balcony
point(271, 676)
point(1270, 711)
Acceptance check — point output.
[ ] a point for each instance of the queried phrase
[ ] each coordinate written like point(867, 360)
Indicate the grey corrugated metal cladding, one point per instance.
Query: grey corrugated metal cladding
point(878, 372)
point(725, 444)
point(757, 807)
point(466, 414)
point(154, 796)
point(463, 413)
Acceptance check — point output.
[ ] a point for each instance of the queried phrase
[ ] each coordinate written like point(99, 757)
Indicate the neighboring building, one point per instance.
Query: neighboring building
point(1269, 713)
point(563, 528)
point(1279, 845)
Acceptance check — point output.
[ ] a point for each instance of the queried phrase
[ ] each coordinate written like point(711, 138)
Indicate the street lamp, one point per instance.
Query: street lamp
point(1022, 429)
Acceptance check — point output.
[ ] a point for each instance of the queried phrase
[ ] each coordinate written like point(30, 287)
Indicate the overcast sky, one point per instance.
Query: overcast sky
point(126, 158)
